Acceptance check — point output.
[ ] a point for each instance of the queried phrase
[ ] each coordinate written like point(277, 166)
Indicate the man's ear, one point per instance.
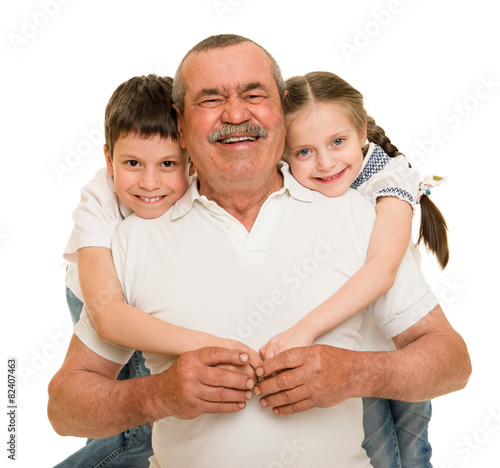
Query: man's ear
point(192, 168)
point(109, 161)
point(180, 126)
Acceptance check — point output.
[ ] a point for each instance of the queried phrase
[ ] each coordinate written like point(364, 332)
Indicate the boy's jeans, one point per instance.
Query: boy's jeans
point(396, 433)
point(130, 448)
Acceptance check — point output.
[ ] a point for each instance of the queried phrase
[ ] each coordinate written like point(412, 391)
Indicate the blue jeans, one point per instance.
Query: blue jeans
point(396, 433)
point(130, 448)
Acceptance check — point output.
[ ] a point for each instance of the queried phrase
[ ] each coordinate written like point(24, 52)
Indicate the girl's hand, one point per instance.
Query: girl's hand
point(292, 338)
point(247, 369)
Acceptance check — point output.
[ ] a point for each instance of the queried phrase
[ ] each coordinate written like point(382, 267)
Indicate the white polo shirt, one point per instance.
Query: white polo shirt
point(198, 267)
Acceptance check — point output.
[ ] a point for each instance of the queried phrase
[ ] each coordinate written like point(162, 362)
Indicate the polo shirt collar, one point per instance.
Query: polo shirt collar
point(290, 185)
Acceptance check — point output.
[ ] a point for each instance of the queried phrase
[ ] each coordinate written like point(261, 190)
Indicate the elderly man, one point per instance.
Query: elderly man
point(244, 254)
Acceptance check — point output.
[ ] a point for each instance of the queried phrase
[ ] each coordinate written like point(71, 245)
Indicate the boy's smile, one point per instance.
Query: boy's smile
point(150, 174)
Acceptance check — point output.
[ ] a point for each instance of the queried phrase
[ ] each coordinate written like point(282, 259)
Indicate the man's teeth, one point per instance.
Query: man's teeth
point(150, 200)
point(234, 139)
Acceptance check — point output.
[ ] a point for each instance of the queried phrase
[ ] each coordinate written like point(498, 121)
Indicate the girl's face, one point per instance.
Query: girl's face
point(324, 149)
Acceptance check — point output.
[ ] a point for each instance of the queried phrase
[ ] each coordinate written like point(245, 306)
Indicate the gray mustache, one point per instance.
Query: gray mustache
point(231, 129)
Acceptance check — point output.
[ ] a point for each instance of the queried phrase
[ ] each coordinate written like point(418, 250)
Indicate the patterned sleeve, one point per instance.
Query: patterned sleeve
point(383, 176)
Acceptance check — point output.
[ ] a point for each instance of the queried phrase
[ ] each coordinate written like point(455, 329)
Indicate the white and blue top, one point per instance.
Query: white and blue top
point(383, 176)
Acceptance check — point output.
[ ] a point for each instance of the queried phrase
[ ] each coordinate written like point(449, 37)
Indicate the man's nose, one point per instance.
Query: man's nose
point(235, 112)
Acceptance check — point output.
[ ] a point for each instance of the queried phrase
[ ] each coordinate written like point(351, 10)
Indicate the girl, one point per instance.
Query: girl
point(327, 127)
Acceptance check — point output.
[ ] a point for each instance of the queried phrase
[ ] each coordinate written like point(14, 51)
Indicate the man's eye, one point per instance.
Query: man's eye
point(255, 98)
point(211, 103)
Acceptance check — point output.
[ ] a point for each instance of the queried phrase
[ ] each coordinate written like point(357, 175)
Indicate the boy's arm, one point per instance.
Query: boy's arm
point(129, 326)
point(388, 243)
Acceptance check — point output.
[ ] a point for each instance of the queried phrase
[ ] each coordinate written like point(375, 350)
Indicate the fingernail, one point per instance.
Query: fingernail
point(263, 402)
point(257, 391)
point(250, 384)
point(242, 405)
point(244, 357)
point(248, 395)
point(259, 371)
point(276, 411)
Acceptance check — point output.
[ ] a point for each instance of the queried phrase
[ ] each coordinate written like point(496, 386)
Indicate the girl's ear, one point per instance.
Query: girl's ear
point(109, 161)
point(363, 136)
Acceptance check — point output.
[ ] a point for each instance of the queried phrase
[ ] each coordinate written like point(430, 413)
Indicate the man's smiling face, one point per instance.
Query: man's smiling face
point(233, 125)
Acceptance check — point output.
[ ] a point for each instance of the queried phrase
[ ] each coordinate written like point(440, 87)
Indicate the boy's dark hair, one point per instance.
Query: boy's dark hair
point(141, 106)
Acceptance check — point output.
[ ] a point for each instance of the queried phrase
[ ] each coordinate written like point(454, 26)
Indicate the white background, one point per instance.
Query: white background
point(430, 74)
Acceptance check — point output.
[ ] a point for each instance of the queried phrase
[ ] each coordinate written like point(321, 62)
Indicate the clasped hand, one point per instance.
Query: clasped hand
point(223, 379)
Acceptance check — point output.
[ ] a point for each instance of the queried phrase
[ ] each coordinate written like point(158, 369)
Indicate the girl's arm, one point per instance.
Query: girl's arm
point(388, 243)
point(129, 326)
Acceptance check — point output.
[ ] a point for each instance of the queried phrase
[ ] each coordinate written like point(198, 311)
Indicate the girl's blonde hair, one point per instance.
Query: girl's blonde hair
point(326, 87)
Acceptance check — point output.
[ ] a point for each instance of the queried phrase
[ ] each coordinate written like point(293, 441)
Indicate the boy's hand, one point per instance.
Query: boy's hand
point(292, 338)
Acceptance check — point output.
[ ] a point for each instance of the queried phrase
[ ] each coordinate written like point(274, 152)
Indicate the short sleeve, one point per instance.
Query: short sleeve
point(96, 217)
point(87, 334)
point(409, 300)
point(383, 176)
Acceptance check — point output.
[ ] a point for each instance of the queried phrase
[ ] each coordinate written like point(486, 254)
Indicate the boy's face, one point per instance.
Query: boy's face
point(150, 174)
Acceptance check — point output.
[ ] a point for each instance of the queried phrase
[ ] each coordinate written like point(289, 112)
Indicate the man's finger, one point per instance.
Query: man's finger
point(224, 395)
point(213, 356)
point(216, 377)
point(255, 359)
point(277, 383)
point(288, 359)
point(214, 408)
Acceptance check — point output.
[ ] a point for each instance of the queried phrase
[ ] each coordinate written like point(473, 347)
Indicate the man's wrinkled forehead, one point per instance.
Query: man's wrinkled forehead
point(218, 64)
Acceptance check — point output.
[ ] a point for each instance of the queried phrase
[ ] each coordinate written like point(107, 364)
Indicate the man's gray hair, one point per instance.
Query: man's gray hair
point(214, 42)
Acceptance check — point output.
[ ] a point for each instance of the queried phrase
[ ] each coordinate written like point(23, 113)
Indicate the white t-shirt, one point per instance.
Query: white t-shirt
point(198, 267)
point(96, 218)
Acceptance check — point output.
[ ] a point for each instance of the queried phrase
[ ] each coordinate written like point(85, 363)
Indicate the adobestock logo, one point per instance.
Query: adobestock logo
point(41, 358)
point(30, 27)
point(454, 118)
point(364, 35)
point(92, 141)
point(289, 453)
point(225, 6)
point(292, 278)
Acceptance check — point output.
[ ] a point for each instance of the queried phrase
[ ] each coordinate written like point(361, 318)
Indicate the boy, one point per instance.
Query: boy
point(147, 172)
